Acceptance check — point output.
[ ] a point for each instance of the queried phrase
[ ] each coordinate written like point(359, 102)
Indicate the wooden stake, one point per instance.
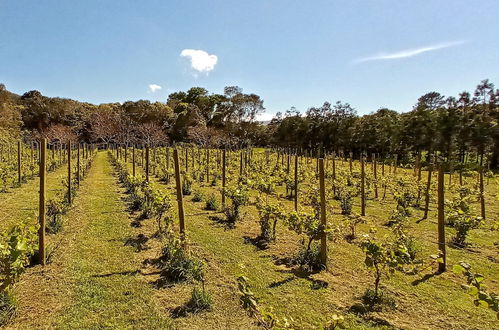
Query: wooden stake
point(69, 173)
point(207, 165)
point(223, 178)
point(133, 160)
point(322, 190)
point(147, 163)
point(78, 166)
point(441, 220)
point(427, 192)
point(375, 170)
point(296, 182)
point(41, 208)
point(179, 195)
point(167, 159)
point(350, 163)
point(19, 162)
point(334, 173)
point(362, 187)
point(482, 191)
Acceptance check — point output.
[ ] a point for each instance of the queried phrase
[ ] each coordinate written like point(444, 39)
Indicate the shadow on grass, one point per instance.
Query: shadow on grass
point(222, 222)
point(259, 242)
point(425, 278)
point(139, 243)
point(299, 272)
point(125, 273)
point(277, 284)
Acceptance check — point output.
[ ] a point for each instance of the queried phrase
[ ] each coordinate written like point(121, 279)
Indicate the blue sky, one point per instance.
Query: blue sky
point(292, 53)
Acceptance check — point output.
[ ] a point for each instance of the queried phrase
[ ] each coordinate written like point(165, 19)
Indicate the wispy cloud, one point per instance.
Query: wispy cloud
point(409, 52)
point(153, 88)
point(200, 60)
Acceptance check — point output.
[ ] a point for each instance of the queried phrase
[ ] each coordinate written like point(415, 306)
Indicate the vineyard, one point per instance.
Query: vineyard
point(151, 236)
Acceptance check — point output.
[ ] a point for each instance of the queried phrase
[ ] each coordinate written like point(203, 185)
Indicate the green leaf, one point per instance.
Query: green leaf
point(473, 290)
point(483, 303)
point(458, 269)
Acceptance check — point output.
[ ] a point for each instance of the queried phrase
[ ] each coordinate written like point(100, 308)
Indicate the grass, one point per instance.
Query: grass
point(95, 281)
point(21, 204)
point(100, 280)
point(310, 299)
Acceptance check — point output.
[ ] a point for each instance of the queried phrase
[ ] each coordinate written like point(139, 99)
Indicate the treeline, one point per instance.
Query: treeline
point(453, 126)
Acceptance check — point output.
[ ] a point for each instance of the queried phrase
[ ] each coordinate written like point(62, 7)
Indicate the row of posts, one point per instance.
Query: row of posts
point(320, 167)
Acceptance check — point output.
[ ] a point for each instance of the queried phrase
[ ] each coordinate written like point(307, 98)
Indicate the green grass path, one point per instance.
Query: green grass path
point(107, 290)
point(94, 280)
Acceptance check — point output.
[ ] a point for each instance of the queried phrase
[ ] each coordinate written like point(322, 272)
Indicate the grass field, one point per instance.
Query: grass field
point(100, 277)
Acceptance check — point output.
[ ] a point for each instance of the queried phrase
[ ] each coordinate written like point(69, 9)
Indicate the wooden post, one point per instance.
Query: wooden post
point(78, 164)
point(296, 182)
point(322, 190)
point(186, 161)
point(142, 156)
point(147, 163)
point(362, 187)
point(375, 170)
point(69, 173)
point(179, 195)
point(427, 192)
point(192, 159)
point(207, 165)
point(133, 160)
point(395, 164)
point(482, 191)
point(154, 160)
point(418, 162)
point(334, 173)
point(41, 208)
point(441, 220)
point(223, 178)
point(418, 173)
point(167, 159)
point(350, 163)
point(241, 163)
point(19, 162)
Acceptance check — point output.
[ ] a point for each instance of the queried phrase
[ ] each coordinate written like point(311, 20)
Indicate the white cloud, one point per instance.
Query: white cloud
point(200, 60)
point(265, 116)
point(153, 88)
point(409, 52)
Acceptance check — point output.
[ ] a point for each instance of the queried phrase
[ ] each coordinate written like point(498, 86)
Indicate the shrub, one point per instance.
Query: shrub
point(371, 299)
point(200, 301)
point(16, 246)
point(345, 195)
point(381, 260)
point(176, 266)
point(270, 214)
point(477, 289)
point(459, 215)
point(211, 203)
point(353, 221)
point(239, 197)
point(54, 211)
point(187, 187)
point(309, 258)
point(7, 306)
point(198, 196)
